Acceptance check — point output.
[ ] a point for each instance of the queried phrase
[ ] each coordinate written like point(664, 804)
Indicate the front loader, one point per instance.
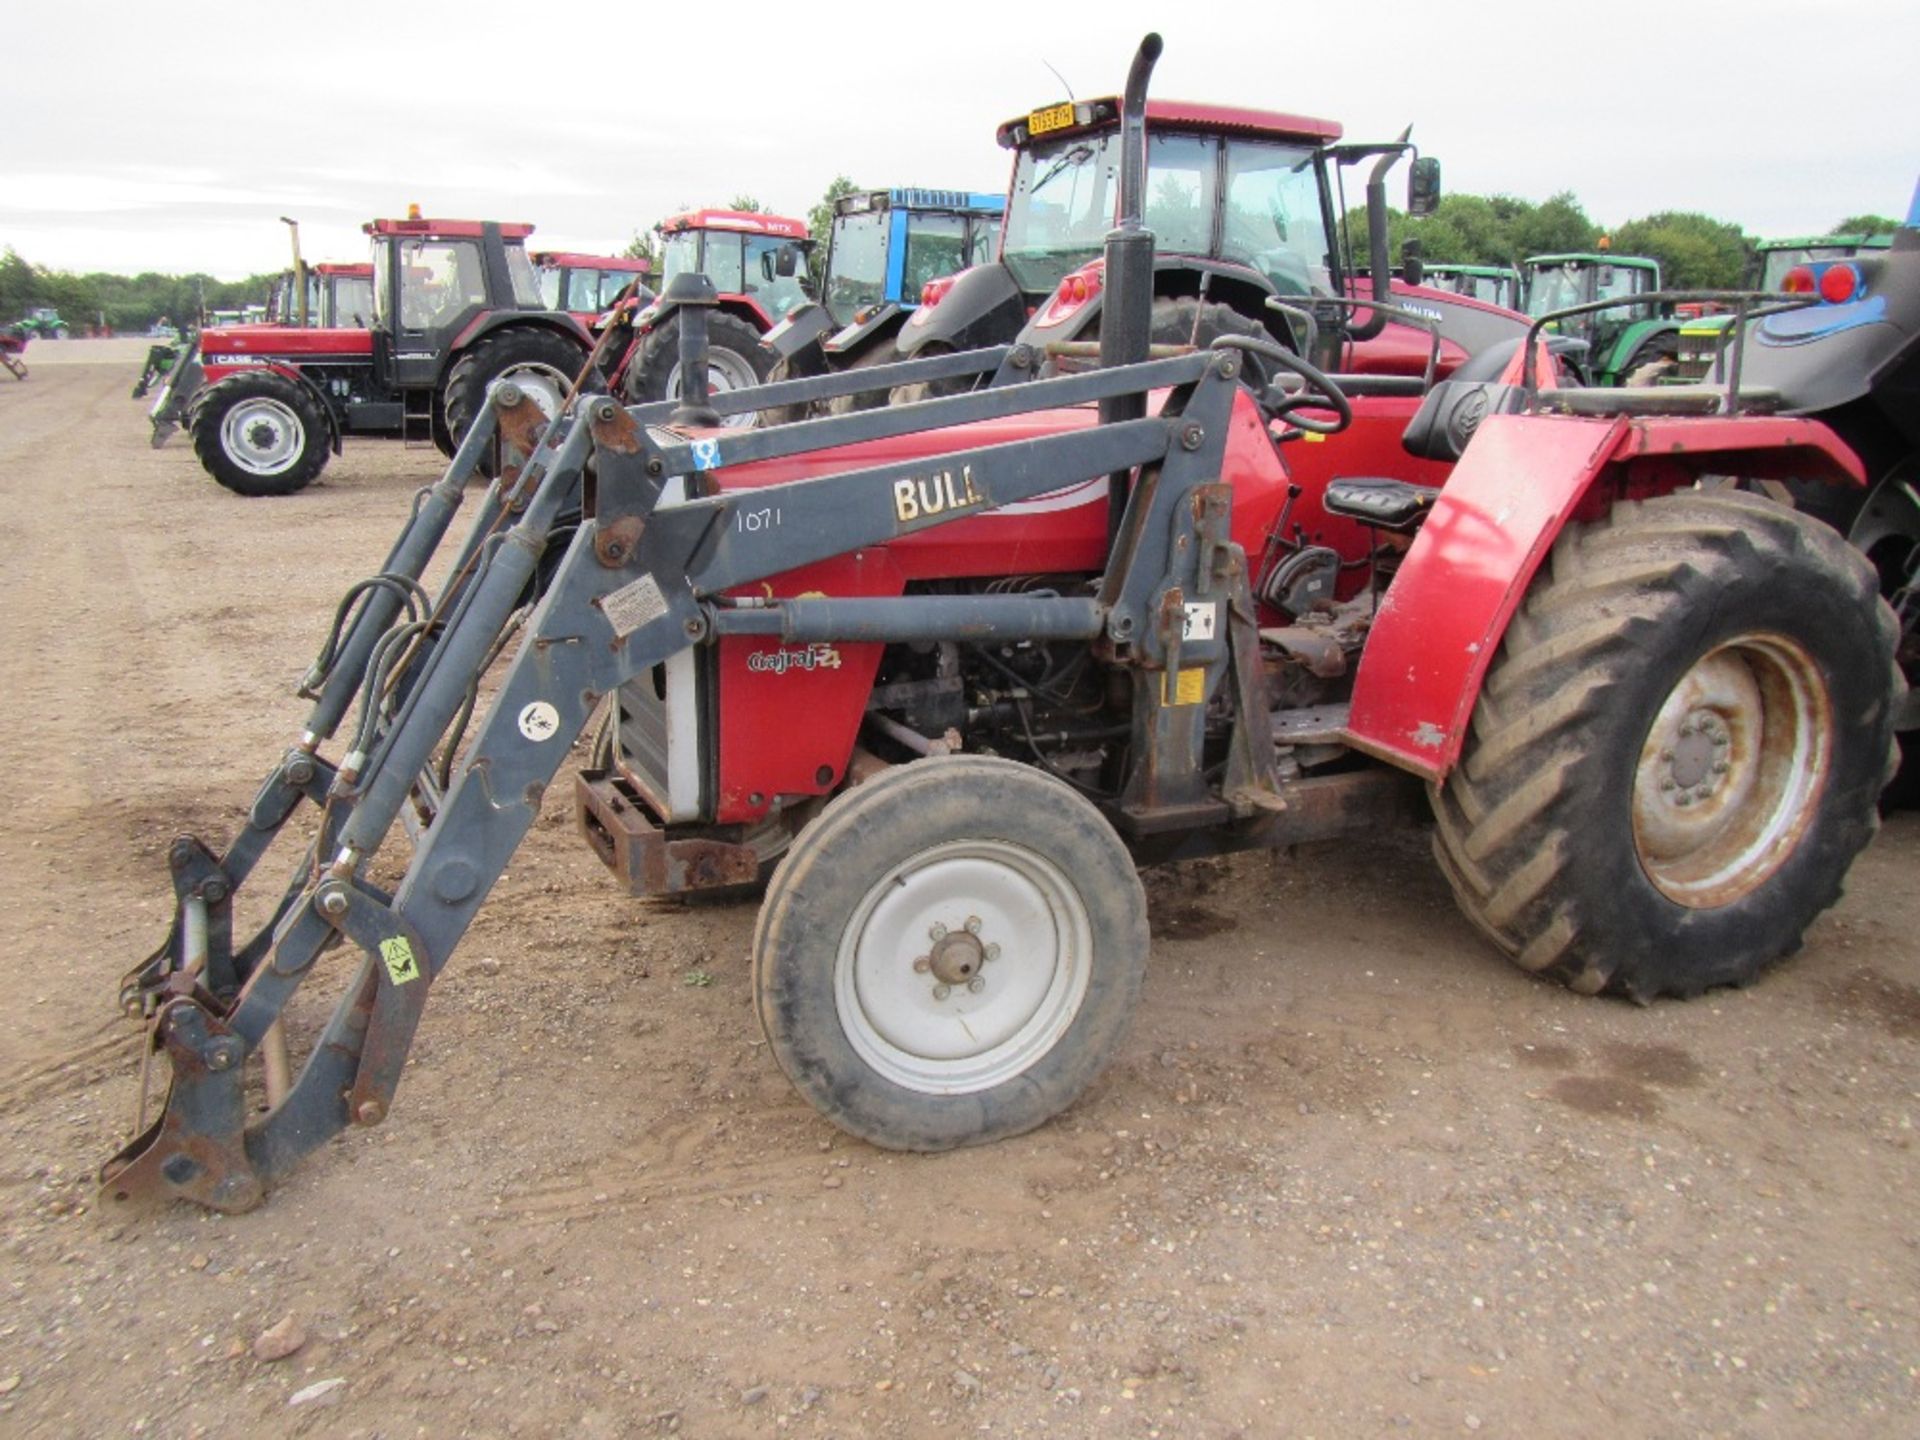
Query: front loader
point(1652, 718)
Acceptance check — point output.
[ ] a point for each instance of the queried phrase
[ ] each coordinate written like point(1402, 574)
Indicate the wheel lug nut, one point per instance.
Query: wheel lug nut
point(973, 924)
point(1720, 739)
point(1669, 783)
point(940, 992)
point(1684, 798)
point(976, 985)
point(937, 933)
point(1667, 755)
point(1720, 767)
point(923, 964)
point(993, 952)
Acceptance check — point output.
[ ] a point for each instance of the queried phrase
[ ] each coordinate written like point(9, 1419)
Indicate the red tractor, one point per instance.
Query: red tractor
point(339, 296)
point(587, 286)
point(455, 307)
point(754, 262)
point(962, 666)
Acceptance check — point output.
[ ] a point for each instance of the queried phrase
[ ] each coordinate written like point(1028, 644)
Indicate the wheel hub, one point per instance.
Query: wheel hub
point(1731, 771)
point(921, 998)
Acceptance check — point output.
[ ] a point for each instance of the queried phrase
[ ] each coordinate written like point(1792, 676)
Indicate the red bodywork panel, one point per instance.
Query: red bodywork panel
point(278, 340)
point(1522, 479)
point(763, 685)
point(362, 269)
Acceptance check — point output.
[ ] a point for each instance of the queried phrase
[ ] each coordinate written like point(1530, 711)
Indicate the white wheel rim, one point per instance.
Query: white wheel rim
point(963, 966)
point(726, 370)
point(262, 436)
point(546, 386)
point(1732, 771)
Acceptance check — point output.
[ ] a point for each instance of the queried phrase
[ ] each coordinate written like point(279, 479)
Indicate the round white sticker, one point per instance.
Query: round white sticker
point(539, 721)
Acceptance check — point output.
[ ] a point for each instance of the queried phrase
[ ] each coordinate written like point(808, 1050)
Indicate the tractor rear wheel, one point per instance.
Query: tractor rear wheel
point(540, 361)
point(736, 360)
point(1676, 753)
point(950, 954)
point(259, 433)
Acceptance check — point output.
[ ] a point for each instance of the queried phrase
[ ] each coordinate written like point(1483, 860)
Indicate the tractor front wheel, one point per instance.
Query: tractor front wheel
point(259, 434)
point(736, 360)
point(1676, 754)
point(540, 361)
point(950, 954)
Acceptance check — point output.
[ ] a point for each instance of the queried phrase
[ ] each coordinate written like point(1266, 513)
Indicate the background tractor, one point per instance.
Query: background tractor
point(1628, 344)
point(755, 263)
point(339, 296)
point(1789, 267)
point(886, 249)
point(1242, 206)
point(1495, 284)
point(43, 322)
point(455, 307)
point(586, 286)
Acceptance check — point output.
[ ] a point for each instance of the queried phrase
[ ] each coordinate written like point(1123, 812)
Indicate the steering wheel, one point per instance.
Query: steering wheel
point(1277, 404)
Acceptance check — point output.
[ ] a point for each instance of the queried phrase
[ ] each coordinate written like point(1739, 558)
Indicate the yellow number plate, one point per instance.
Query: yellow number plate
point(1054, 117)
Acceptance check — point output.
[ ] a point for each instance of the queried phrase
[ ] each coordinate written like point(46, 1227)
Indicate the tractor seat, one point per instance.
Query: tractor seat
point(1656, 400)
point(1382, 504)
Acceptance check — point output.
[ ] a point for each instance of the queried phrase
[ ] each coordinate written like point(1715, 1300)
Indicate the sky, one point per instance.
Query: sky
point(174, 136)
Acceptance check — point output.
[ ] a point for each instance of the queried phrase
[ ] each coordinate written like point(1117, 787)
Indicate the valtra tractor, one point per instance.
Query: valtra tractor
point(969, 662)
point(455, 308)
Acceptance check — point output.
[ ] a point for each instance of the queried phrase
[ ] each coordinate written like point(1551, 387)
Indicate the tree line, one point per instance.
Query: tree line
point(1695, 251)
point(120, 303)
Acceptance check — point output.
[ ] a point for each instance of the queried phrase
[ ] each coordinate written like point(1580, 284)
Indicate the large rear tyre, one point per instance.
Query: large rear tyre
point(736, 360)
point(1676, 753)
point(540, 361)
point(950, 954)
point(259, 434)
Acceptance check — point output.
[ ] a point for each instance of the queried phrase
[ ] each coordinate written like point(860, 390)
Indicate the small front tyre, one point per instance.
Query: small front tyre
point(737, 359)
point(950, 954)
point(1676, 753)
point(259, 434)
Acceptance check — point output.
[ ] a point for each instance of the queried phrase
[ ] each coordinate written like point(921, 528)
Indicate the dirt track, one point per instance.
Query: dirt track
point(1352, 1174)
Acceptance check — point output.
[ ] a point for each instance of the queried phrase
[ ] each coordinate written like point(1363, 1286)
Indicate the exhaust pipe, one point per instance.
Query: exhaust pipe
point(1126, 316)
point(1377, 263)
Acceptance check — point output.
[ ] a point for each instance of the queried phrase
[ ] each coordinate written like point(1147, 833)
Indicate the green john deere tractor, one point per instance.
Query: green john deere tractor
point(1630, 344)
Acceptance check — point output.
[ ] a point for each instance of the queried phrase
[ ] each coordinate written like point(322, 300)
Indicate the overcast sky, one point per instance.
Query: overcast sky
point(172, 135)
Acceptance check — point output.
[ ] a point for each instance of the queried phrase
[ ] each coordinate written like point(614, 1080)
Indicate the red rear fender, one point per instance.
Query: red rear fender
point(1522, 480)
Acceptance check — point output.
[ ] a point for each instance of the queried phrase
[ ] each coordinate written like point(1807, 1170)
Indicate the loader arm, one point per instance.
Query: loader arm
point(639, 581)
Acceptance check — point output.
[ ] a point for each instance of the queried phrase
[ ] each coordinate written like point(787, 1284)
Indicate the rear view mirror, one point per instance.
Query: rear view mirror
point(787, 260)
point(1423, 186)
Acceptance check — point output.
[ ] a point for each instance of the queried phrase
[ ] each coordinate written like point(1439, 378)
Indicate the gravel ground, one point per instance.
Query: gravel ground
point(1351, 1174)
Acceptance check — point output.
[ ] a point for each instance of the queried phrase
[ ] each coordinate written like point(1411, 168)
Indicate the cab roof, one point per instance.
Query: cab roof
point(1594, 257)
point(453, 229)
point(747, 222)
point(1182, 115)
point(591, 262)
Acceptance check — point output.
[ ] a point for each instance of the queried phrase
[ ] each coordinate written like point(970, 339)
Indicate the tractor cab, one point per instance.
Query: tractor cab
point(1788, 265)
point(1621, 342)
point(1242, 207)
point(586, 286)
point(754, 261)
point(338, 297)
point(887, 246)
point(432, 280)
point(1494, 284)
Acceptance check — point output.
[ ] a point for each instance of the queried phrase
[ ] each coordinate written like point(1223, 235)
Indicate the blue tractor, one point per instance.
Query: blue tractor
point(886, 249)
